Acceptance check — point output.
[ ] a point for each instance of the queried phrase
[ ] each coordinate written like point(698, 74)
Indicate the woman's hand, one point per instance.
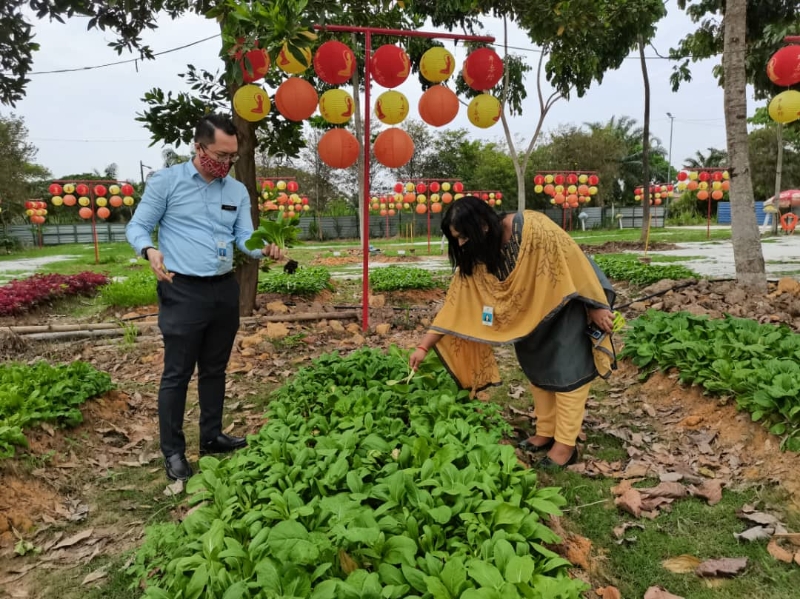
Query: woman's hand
point(602, 318)
point(272, 251)
point(416, 358)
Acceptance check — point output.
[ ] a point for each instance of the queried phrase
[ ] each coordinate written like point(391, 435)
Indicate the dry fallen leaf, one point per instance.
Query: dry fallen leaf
point(175, 488)
point(757, 517)
point(75, 539)
point(671, 477)
point(659, 593)
point(797, 558)
point(756, 533)
point(347, 563)
point(619, 531)
point(683, 564)
point(577, 550)
point(727, 566)
point(710, 490)
point(631, 502)
point(671, 490)
point(779, 553)
point(608, 593)
point(792, 537)
point(96, 575)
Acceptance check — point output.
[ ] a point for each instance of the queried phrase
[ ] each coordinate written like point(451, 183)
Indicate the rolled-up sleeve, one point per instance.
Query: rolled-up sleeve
point(243, 227)
point(149, 212)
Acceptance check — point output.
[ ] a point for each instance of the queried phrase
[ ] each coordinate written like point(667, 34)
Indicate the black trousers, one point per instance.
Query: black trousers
point(198, 318)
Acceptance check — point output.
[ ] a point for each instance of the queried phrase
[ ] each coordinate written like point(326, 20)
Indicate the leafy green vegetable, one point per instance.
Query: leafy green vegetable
point(638, 273)
point(758, 364)
point(282, 231)
point(137, 289)
point(396, 278)
point(356, 489)
point(44, 393)
point(304, 281)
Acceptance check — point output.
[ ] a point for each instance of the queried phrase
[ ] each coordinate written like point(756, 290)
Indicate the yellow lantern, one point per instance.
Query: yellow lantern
point(572, 189)
point(113, 190)
point(717, 185)
point(69, 188)
point(101, 202)
point(458, 196)
point(127, 200)
point(681, 185)
point(84, 201)
point(336, 106)
point(703, 185)
point(538, 189)
point(57, 200)
point(410, 186)
point(421, 199)
point(549, 178)
point(437, 64)
point(593, 190)
point(785, 107)
point(281, 185)
point(435, 197)
point(693, 175)
point(391, 107)
point(289, 64)
point(559, 189)
point(582, 179)
point(484, 111)
point(251, 103)
point(725, 175)
point(445, 186)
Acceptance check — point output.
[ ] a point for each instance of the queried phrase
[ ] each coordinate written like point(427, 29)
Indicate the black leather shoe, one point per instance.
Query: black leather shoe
point(548, 464)
point(177, 467)
point(526, 445)
point(222, 444)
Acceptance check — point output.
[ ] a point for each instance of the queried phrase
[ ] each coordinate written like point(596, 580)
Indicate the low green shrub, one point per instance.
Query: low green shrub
point(304, 281)
point(136, 289)
point(398, 278)
point(630, 269)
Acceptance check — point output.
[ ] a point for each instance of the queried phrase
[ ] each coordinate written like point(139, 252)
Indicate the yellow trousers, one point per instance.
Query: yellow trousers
point(560, 415)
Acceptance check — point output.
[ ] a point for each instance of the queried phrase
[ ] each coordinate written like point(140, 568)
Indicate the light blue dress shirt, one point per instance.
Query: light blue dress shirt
point(198, 222)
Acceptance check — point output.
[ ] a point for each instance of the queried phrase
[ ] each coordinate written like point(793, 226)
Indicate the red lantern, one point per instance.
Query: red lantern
point(394, 148)
point(338, 148)
point(398, 188)
point(390, 66)
point(683, 175)
point(126, 190)
point(704, 176)
point(434, 187)
point(670, 187)
point(593, 179)
point(296, 99)
point(572, 179)
point(482, 69)
point(538, 180)
point(258, 66)
point(485, 196)
point(421, 188)
point(55, 189)
point(334, 62)
point(292, 186)
point(498, 196)
point(100, 190)
point(717, 176)
point(82, 189)
point(784, 67)
point(559, 179)
point(438, 106)
point(458, 187)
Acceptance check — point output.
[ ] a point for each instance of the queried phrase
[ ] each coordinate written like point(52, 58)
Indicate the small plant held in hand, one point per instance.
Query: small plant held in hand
point(282, 231)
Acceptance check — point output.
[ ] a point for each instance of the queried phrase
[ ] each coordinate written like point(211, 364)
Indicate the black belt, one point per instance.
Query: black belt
point(210, 279)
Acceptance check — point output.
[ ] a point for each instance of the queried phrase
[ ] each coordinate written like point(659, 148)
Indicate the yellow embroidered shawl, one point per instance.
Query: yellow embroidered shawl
point(551, 270)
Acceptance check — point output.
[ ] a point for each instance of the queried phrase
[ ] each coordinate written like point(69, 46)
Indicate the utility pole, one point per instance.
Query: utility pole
point(142, 166)
point(669, 165)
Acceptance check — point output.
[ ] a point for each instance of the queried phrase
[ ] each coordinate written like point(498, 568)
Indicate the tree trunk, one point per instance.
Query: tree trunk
point(645, 147)
point(247, 272)
point(747, 253)
point(778, 171)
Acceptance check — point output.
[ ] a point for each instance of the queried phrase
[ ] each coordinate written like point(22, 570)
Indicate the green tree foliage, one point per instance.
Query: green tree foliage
point(20, 176)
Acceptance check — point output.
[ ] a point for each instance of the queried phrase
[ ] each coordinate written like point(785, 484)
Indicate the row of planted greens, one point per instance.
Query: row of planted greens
point(365, 483)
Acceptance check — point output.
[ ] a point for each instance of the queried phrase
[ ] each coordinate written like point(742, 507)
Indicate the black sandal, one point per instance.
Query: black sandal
point(546, 463)
point(526, 445)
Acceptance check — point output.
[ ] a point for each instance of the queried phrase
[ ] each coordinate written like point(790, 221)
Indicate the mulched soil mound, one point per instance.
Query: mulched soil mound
point(617, 247)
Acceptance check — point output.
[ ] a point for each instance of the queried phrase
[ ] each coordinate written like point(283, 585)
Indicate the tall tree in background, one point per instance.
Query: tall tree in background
point(760, 27)
point(715, 158)
point(19, 174)
point(646, 179)
point(747, 253)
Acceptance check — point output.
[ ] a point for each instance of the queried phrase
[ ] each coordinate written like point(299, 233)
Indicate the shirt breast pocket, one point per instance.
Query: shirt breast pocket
point(228, 217)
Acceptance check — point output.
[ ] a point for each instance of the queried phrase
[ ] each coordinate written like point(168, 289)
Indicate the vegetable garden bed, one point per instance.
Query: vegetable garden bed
point(23, 295)
point(365, 483)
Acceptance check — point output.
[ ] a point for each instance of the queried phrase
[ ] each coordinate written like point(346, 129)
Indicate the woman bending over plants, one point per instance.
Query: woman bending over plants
point(523, 280)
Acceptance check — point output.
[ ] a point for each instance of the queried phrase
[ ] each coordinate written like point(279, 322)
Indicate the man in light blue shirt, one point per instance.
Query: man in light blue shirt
point(201, 212)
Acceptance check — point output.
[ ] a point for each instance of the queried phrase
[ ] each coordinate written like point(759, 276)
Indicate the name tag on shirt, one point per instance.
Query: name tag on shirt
point(487, 318)
point(222, 251)
point(229, 208)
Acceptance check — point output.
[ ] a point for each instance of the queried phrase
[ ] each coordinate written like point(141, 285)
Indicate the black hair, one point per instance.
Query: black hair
point(469, 216)
point(206, 130)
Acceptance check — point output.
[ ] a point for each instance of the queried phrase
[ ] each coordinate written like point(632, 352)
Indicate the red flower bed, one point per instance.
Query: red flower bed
point(23, 294)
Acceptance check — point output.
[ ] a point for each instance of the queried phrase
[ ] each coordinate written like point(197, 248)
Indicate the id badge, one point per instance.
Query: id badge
point(222, 251)
point(487, 318)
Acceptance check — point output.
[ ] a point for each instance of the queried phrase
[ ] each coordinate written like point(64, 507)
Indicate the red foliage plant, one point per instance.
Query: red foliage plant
point(21, 295)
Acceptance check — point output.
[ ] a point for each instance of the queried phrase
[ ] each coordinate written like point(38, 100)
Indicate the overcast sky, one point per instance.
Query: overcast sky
point(85, 120)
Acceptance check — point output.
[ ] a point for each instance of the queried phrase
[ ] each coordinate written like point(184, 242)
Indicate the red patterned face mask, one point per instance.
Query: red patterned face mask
point(215, 168)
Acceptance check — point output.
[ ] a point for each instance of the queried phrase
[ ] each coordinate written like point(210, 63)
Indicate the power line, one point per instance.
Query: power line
point(128, 61)
point(71, 140)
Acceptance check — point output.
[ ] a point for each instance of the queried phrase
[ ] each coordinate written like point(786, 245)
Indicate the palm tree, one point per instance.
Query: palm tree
point(716, 158)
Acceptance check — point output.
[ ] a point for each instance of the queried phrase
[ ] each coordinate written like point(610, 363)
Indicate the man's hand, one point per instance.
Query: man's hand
point(156, 260)
point(602, 318)
point(272, 251)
